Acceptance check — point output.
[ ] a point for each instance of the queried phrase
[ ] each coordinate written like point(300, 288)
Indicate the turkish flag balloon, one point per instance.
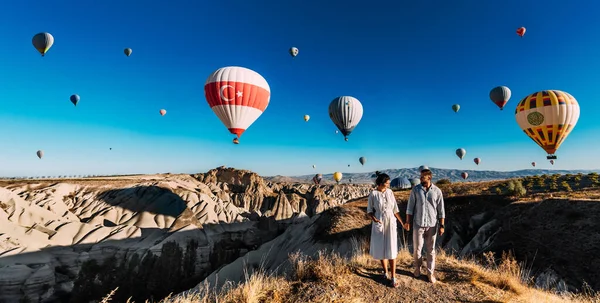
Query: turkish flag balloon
point(238, 96)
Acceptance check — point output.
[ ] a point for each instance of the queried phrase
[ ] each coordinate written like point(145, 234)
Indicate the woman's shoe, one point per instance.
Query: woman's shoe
point(395, 282)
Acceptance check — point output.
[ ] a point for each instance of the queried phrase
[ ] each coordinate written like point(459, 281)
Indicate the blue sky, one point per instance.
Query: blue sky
point(406, 62)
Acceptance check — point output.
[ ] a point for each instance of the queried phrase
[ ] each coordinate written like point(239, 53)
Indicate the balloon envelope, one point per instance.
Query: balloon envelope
point(455, 107)
point(464, 175)
point(345, 112)
point(500, 96)
point(238, 96)
point(127, 51)
point(40, 153)
point(362, 160)
point(415, 181)
point(74, 99)
point(337, 176)
point(461, 152)
point(477, 161)
point(548, 117)
point(294, 51)
point(521, 31)
point(42, 42)
point(163, 112)
point(306, 118)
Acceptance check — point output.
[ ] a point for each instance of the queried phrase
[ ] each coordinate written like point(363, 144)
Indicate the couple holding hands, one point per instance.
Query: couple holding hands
point(425, 211)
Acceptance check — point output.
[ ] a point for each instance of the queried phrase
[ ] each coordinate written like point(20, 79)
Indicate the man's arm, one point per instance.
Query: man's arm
point(440, 209)
point(411, 206)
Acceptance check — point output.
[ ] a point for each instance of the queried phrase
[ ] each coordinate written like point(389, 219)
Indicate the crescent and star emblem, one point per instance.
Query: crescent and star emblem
point(238, 94)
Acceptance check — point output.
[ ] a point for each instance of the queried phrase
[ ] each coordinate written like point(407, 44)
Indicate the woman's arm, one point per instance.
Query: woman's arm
point(371, 209)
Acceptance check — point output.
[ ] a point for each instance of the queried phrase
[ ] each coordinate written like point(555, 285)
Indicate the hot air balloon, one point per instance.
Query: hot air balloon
point(314, 166)
point(548, 117)
point(350, 180)
point(345, 112)
point(464, 175)
point(533, 164)
point(374, 176)
point(348, 165)
point(423, 167)
point(455, 108)
point(294, 51)
point(400, 183)
point(42, 42)
point(238, 96)
point(74, 99)
point(337, 176)
point(552, 162)
point(415, 181)
point(362, 160)
point(306, 118)
point(163, 112)
point(500, 96)
point(477, 161)
point(461, 152)
point(40, 153)
point(127, 52)
point(317, 179)
point(521, 31)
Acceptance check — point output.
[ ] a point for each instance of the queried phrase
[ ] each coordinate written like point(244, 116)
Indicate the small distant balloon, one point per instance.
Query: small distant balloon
point(314, 166)
point(42, 42)
point(74, 99)
point(294, 51)
point(306, 118)
point(163, 112)
point(127, 51)
point(552, 162)
point(477, 161)
point(500, 96)
point(521, 31)
point(40, 153)
point(337, 176)
point(464, 175)
point(455, 108)
point(533, 164)
point(461, 152)
point(362, 160)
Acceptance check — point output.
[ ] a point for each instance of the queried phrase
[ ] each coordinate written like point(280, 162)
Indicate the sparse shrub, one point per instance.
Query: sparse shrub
point(554, 186)
point(498, 191)
point(565, 186)
point(541, 183)
point(443, 182)
point(515, 188)
point(577, 178)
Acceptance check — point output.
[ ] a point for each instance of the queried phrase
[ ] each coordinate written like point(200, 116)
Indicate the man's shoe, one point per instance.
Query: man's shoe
point(432, 279)
point(417, 272)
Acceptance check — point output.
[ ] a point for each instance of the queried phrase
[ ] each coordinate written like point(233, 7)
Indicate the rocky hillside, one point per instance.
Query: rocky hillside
point(54, 232)
point(543, 228)
point(438, 173)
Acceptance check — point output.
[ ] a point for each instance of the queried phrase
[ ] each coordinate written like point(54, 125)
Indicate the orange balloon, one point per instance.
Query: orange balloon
point(521, 31)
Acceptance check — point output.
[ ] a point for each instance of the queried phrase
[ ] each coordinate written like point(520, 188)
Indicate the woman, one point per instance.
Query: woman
point(382, 209)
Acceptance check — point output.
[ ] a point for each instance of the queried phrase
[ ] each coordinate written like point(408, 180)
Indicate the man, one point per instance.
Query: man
point(425, 210)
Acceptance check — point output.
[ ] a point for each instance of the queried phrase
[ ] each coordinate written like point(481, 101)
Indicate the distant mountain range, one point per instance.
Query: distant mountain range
point(438, 173)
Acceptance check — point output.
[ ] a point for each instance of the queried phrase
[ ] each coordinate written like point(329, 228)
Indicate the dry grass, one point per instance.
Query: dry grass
point(331, 278)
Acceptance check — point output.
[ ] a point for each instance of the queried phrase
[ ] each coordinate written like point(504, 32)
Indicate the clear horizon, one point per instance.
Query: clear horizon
point(407, 63)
